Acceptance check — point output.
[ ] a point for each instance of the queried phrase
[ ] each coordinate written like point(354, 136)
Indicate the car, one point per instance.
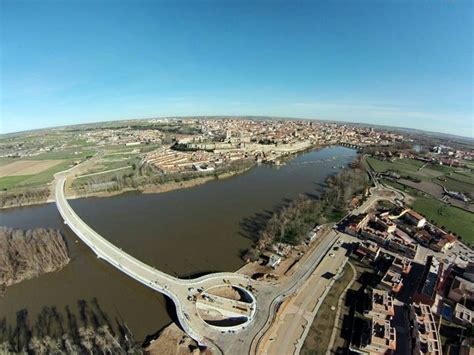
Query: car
point(332, 255)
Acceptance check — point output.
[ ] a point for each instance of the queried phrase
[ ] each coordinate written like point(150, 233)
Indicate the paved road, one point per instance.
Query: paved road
point(179, 290)
point(267, 296)
point(288, 333)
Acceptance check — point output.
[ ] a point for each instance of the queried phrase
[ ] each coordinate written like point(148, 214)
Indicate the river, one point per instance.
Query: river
point(182, 232)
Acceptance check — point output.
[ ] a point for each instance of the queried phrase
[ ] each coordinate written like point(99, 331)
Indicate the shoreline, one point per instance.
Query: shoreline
point(147, 189)
point(151, 189)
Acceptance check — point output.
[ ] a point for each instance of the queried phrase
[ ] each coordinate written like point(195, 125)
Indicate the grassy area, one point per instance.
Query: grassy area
point(458, 185)
point(42, 178)
point(401, 165)
point(105, 177)
point(320, 332)
point(464, 177)
point(429, 172)
point(65, 154)
point(8, 182)
point(4, 161)
point(401, 187)
point(452, 218)
point(114, 162)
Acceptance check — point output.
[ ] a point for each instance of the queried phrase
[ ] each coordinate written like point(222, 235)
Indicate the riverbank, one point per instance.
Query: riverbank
point(147, 189)
point(38, 196)
point(206, 226)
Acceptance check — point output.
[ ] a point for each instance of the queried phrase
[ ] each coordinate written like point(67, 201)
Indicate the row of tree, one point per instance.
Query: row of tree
point(145, 174)
point(291, 223)
point(23, 197)
point(85, 331)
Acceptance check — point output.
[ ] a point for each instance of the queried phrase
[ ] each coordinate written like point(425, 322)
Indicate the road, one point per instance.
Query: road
point(266, 296)
point(181, 291)
point(288, 332)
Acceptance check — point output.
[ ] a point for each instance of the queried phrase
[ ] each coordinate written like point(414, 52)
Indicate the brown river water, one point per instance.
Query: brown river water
point(182, 232)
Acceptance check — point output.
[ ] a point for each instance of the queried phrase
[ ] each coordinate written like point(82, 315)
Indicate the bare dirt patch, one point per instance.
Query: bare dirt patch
point(27, 167)
point(429, 187)
point(172, 340)
point(225, 292)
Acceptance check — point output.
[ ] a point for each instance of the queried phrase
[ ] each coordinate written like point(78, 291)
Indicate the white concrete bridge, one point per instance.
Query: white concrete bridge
point(189, 296)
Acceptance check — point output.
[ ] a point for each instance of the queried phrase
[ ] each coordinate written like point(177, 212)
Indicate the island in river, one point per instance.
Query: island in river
point(25, 254)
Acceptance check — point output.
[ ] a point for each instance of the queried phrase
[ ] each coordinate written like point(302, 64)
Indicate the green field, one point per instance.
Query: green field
point(401, 165)
point(8, 182)
point(453, 219)
point(44, 177)
point(66, 154)
point(455, 179)
point(401, 187)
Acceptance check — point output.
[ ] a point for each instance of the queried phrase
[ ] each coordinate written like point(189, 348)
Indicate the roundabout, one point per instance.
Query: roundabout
point(226, 308)
point(206, 307)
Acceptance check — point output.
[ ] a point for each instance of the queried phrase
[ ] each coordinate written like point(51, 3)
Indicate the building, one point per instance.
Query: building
point(424, 337)
point(368, 249)
point(444, 244)
point(380, 305)
point(461, 289)
point(312, 234)
point(469, 272)
point(273, 261)
point(430, 279)
point(379, 337)
point(401, 264)
point(415, 218)
point(463, 315)
point(356, 223)
point(399, 242)
point(391, 282)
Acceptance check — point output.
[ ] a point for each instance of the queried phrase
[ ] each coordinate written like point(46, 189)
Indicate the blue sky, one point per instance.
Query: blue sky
point(400, 63)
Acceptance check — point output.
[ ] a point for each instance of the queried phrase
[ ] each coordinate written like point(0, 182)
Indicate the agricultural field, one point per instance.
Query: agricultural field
point(64, 154)
point(26, 167)
point(33, 179)
point(455, 216)
point(400, 165)
point(428, 178)
point(448, 217)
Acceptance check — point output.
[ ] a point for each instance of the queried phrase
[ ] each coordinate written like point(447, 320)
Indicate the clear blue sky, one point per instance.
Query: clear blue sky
point(401, 63)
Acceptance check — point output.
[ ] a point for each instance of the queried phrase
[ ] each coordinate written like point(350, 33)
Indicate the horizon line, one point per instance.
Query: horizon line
point(239, 116)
